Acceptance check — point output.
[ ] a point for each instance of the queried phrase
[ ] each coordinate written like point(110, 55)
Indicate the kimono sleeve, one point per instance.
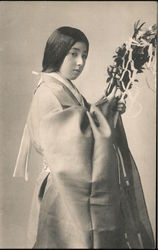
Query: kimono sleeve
point(43, 102)
point(47, 102)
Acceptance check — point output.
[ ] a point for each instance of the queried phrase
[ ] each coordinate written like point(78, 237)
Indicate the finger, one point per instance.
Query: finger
point(118, 93)
point(121, 109)
point(122, 101)
point(112, 94)
point(121, 105)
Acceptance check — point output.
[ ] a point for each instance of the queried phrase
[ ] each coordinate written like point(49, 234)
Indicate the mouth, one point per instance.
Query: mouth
point(77, 70)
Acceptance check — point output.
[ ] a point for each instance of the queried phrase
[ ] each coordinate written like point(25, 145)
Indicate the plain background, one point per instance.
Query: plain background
point(24, 29)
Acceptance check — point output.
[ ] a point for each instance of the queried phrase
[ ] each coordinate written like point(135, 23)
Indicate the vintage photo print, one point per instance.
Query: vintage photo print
point(78, 124)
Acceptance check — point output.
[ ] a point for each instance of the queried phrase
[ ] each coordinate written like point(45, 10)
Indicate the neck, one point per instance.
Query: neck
point(66, 79)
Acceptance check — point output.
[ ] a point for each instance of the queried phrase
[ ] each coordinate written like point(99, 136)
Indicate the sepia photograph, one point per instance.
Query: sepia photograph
point(78, 124)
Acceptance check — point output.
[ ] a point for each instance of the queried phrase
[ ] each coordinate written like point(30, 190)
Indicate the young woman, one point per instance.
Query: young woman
point(89, 194)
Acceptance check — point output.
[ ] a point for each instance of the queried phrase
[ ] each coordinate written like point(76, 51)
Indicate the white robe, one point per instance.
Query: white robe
point(84, 184)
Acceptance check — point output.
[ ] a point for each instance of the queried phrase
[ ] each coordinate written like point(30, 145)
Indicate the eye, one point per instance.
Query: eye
point(74, 54)
point(84, 57)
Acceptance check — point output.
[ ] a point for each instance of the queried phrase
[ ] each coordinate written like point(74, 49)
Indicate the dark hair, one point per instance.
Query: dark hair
point(58, 45)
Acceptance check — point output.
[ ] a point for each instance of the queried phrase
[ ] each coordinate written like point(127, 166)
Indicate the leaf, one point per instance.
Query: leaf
point(141, 54)
point(154, 27)
point(136, 24)
point(108, 79)
point(137, 28)
point(141, 26)
point(140, 71)
point(110, 70)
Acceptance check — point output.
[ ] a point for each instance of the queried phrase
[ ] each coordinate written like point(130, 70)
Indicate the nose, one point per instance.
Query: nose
point(80, 61)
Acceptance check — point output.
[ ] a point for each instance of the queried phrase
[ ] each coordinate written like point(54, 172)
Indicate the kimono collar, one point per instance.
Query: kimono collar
point(66, 82)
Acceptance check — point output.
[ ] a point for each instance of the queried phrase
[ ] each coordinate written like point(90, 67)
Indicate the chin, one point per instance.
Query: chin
point(73, 78)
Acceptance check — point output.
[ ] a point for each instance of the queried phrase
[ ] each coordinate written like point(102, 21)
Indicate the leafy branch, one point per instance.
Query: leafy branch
point(131, 57)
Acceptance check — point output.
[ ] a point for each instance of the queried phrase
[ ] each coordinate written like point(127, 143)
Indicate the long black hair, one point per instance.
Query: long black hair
point(58, 45)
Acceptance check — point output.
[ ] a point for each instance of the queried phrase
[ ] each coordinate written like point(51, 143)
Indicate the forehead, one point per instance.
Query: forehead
point(80, 46)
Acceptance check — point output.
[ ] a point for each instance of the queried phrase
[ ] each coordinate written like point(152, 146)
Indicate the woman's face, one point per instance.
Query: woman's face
point(74, 61)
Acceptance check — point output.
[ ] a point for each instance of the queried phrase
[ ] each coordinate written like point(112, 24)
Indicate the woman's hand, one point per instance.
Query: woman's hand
point(113, 104)
point(120, 103)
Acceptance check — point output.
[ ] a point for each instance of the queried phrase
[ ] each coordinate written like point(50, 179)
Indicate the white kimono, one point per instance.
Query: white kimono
point(85, 196)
